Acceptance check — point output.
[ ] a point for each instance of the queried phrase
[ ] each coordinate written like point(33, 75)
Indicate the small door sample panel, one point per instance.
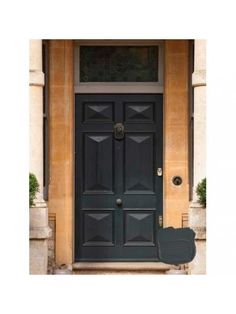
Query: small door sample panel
point(118, 196)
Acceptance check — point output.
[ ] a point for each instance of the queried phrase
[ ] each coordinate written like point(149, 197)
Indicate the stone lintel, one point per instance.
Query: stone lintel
point(40, 233)
point(36, 78)
point(199, 78)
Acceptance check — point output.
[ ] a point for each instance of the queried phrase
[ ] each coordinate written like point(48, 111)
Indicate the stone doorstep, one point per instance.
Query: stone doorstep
point(118, 272)
point(118, 267)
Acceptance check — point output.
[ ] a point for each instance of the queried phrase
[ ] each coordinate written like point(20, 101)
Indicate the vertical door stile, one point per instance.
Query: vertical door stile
point(118, 170)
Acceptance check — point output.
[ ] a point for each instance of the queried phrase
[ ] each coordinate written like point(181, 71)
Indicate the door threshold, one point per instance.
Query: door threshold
point(121, 266)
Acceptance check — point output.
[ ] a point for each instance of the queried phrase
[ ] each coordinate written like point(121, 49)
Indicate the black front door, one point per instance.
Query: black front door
point(118, 192)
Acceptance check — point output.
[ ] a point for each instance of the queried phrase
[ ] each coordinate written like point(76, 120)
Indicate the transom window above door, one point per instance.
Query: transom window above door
point(119, 64)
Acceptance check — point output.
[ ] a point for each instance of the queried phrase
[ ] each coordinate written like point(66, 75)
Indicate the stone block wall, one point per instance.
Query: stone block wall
point(51, 244)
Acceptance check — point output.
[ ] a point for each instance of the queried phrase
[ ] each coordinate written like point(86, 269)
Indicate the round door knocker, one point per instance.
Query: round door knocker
point(119, 131)
point(177, 180)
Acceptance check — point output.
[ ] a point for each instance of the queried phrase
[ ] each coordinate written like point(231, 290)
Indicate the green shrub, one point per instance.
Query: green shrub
point(33, 188)
point(201, 192)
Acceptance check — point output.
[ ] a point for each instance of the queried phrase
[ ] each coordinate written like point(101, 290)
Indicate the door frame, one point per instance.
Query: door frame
point(61, 128)
point(118, 88)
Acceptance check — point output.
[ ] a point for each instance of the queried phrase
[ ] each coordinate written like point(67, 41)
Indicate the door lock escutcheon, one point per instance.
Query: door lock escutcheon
point(160, 221)
point(159, 172)
point(119, 131)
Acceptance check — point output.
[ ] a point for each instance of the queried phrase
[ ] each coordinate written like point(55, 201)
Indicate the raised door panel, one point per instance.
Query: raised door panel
point(139, 163)
point(98, 228)
point(139, 227)
point(139, 112)
point(98, 111)
point(98, 163)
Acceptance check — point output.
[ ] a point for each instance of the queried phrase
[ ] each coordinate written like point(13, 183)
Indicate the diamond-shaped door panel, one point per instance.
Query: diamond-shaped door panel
point(139, 228)
point(98, 228)
point(139, 163)
point(139, 112)
point(98, 174)
point(95, 112)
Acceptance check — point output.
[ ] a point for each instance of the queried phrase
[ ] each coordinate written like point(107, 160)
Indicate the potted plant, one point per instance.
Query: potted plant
point(33, 188)
point(201, 192)
point(197, 211)
point(38, 210)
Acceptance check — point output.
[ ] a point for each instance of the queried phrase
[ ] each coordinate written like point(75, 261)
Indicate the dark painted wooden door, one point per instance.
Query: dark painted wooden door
point(118, 196)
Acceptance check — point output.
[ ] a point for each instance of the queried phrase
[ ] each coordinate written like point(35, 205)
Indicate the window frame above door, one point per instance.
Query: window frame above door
point(118, 87)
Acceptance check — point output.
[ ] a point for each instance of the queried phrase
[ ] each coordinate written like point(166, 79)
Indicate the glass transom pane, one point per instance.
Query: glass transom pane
point(118, 64)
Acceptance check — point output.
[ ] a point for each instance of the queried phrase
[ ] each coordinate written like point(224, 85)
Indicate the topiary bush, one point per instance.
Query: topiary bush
point(33, 188)
point(201, 192)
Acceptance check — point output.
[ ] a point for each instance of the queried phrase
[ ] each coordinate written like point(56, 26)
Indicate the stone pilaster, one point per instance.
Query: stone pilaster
point(199, 84)
point(176, 198)
point(61, 151)
point(36, 83)
point(39, 230)
point(197, 214)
